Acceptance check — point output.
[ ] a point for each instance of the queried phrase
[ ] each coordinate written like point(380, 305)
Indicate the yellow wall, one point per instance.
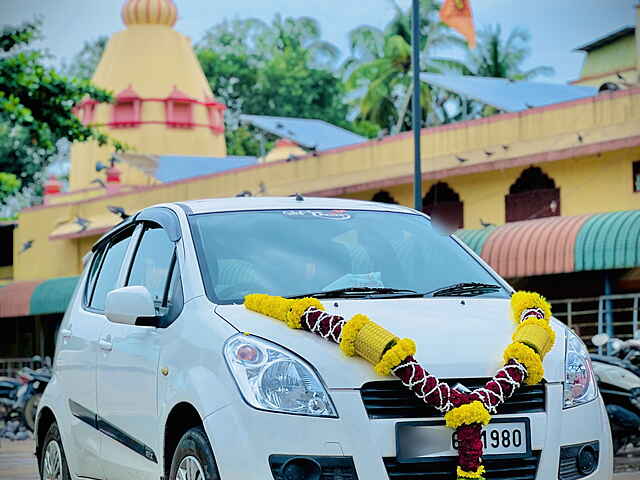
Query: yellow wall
point(617, 55)
point(588, 183)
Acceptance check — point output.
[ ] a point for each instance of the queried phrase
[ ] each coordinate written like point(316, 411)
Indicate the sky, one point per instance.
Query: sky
point(557, 27)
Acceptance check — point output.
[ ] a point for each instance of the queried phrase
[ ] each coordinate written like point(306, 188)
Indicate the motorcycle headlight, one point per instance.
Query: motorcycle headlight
point(579, 384)
point(274, 379)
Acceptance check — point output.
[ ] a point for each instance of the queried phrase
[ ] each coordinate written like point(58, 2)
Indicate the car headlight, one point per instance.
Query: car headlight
point(579, 384)
point(274, 379)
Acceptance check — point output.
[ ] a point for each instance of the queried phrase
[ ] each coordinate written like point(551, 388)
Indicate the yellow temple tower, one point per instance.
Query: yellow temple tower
point(163, 103)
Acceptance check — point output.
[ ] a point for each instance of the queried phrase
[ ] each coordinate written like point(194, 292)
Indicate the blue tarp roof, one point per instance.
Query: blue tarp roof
point(177, 167)
point(306, 132)
point(506, 95)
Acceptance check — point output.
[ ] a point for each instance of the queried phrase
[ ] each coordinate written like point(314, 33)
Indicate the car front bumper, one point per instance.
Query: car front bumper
point(243, 438)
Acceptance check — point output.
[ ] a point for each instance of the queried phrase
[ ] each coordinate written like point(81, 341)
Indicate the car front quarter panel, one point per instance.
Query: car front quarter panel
point(192, 368)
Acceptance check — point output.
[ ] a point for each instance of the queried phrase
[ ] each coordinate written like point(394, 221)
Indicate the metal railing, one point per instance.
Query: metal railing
point(9, 367)
point(616, 315)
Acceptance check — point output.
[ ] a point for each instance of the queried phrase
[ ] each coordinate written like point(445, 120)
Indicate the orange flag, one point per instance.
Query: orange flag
point(457, 14)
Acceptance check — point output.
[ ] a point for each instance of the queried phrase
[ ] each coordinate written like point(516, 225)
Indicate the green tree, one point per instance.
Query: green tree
point(36, 106)
point(378, 71)
point(282, 68)
point(9, 184)
point(84, 63)
point(500, 57)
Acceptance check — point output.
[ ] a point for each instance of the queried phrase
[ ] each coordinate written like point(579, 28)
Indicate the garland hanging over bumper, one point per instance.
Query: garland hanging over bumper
point(533, 338)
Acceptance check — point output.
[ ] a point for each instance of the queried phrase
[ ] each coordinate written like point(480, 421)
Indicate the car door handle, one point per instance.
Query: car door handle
point(105, 345)
point(66, 333)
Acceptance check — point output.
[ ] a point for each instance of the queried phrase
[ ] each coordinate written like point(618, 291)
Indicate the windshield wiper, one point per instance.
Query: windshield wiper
point(465, 289)
point(359, 292)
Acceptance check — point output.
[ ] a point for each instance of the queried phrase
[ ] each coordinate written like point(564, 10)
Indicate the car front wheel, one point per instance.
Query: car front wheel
point(193, 458)
point(53, 463)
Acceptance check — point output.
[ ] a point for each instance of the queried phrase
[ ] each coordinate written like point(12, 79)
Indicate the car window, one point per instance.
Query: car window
point(96, 261)
point(110, 269)
point(152, 263)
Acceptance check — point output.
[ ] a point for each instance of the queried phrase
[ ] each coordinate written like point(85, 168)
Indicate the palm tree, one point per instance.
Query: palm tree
point(378, 71)
point(500, 57)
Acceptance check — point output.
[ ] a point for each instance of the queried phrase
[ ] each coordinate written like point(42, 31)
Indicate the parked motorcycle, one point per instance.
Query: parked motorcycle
point(28, 395)
point(8, 392)
point(619, 382)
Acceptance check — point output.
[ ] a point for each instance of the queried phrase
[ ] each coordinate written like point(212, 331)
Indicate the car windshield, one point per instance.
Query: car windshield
point(294, 252)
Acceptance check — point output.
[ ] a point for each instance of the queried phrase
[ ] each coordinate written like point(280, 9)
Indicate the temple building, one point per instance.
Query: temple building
point(547, 191)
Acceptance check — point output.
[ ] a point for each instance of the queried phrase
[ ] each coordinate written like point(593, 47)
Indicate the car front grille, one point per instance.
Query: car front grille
point(524, 468)
point(391, 399)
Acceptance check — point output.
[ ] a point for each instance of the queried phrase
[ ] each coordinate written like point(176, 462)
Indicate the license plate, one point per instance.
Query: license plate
point(420, 441)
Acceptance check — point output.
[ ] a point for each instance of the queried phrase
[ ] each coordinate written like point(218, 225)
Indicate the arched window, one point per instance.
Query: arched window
point(532, 195)
point(126, 111)
point(384, 197)
point(179, 109)
point(443, 204)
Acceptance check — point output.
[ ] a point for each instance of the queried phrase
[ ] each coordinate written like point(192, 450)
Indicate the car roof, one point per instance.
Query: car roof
point(286, 203)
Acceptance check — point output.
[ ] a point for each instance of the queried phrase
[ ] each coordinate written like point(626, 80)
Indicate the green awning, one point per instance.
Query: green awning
point(52, 296)
point(608, 241)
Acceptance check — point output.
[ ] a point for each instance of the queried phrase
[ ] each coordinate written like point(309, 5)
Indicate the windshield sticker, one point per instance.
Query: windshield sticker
point(323, 214)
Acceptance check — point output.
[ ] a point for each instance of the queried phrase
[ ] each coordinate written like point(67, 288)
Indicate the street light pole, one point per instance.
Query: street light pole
point(417, 113)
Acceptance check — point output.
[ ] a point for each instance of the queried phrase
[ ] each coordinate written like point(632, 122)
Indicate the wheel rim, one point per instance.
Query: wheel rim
point(52, 464)
point(190, 469)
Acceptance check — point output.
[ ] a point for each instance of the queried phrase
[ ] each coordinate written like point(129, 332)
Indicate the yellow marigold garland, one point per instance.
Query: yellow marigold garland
point(298, 307)
point(521, 301)
point(395, 355)
point(468, 414)
point(544, 338)
point(350, 332)
point(527, 357)
point(477, 474)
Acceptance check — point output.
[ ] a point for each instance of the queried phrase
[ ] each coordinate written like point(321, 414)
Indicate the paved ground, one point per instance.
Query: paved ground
point(18, 463)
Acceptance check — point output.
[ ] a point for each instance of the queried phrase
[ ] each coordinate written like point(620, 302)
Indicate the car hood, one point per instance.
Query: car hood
point(455, 338)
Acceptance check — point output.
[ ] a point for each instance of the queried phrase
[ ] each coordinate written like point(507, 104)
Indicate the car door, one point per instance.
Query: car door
point(76, 361)
point(128, 367)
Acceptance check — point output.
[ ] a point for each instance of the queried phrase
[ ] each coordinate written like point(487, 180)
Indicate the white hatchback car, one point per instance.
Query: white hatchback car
point(151, 380)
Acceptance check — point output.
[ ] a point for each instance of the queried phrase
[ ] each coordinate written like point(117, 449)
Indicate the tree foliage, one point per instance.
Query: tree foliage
point(282, 68)
point(84, 63)
point(497, 56)
point(36, 106)
point(378, 71)
point(9, 184)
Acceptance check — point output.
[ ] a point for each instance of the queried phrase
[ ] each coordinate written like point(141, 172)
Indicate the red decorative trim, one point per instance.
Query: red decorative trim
point(600, 75)
point(541, 157)
point(128, 94)
point(174, 103)
point(159, 122)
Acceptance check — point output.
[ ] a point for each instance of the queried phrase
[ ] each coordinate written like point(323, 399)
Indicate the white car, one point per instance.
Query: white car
point(152, 379)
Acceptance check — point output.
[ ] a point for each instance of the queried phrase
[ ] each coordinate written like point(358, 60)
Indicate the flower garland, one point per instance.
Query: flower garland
point(532, 339)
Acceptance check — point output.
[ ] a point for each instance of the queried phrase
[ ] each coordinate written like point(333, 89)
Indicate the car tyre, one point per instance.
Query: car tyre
point(30, 410)
point(193, 458)
point(53, 462)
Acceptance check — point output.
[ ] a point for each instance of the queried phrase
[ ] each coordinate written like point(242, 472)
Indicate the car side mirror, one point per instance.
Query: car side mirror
point(130, 306)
